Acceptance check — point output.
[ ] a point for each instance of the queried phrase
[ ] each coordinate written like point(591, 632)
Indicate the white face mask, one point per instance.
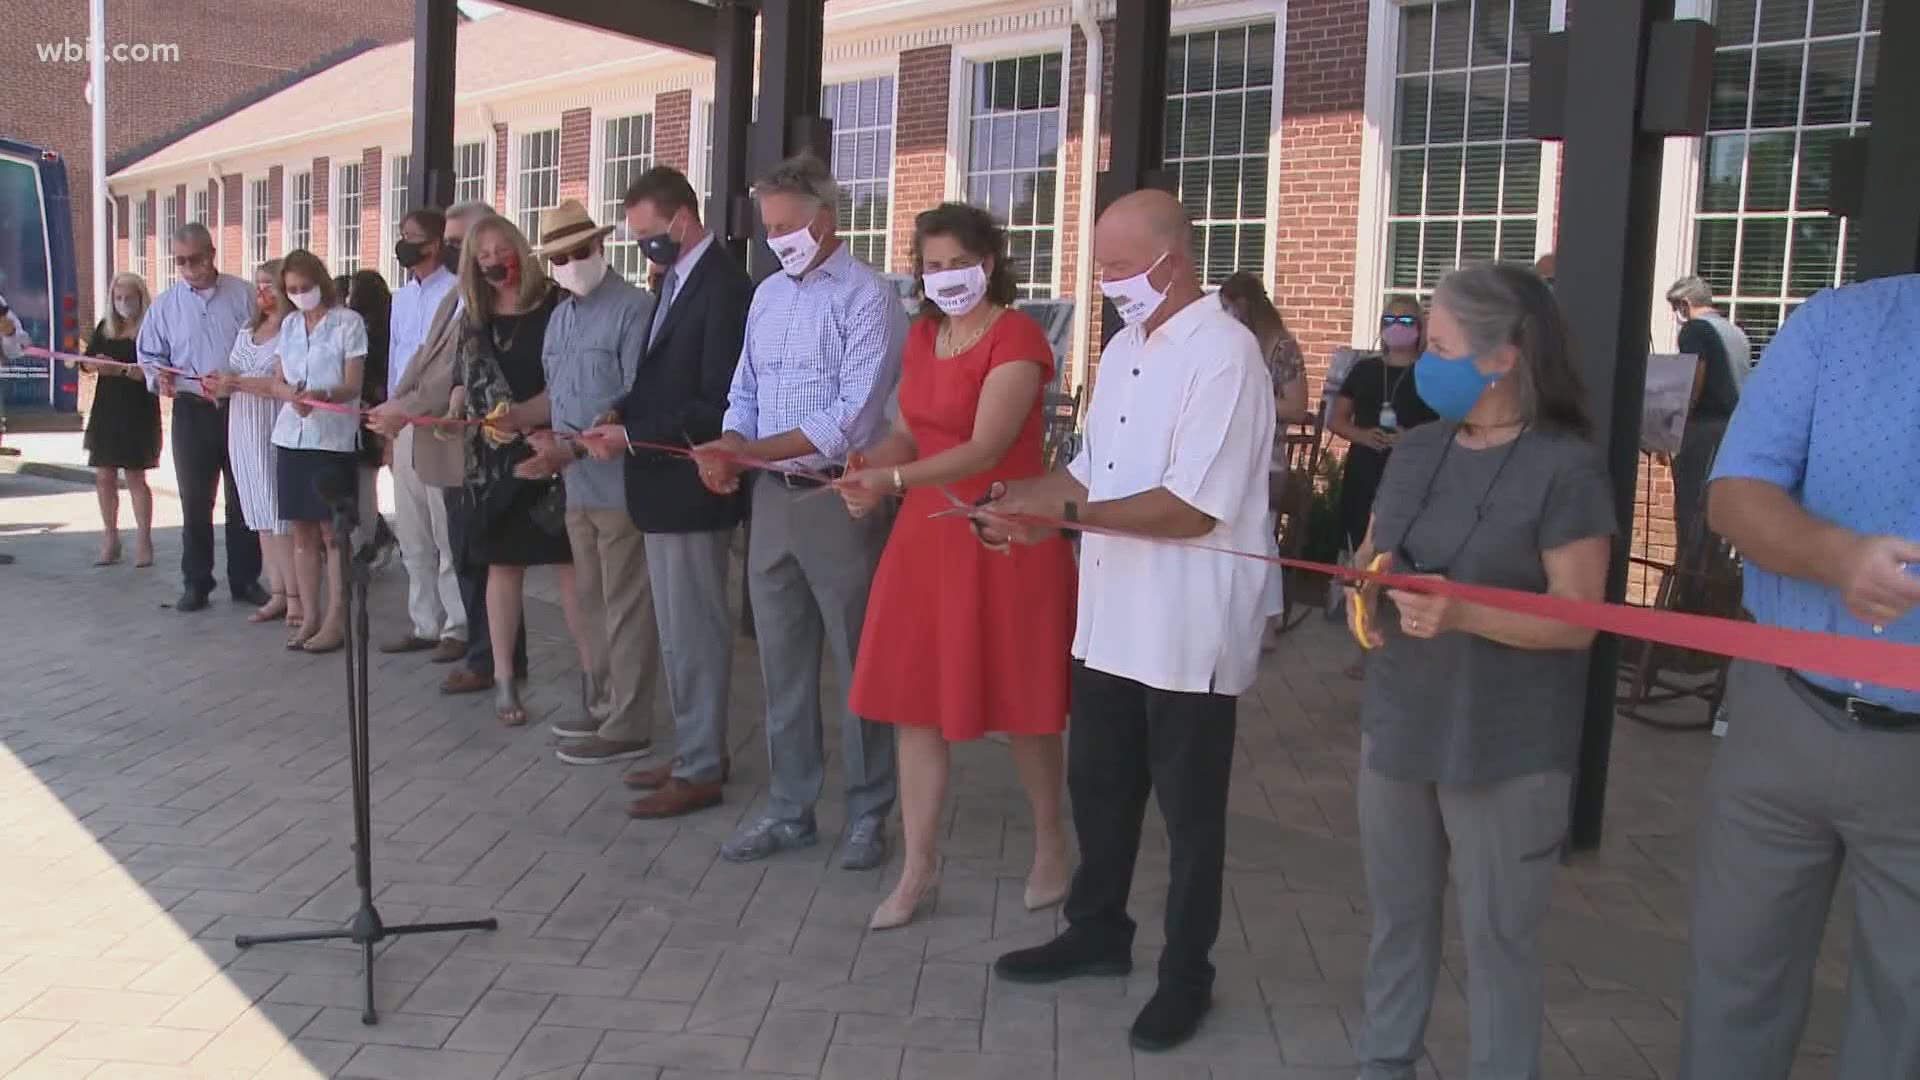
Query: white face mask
point(305, 300)
point(1135, 297)
point(125, 308)
point(582, 274)
point(956, 292)
point(795, 250)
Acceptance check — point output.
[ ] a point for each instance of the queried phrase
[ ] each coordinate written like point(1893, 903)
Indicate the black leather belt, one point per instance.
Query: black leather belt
point(1859, 710)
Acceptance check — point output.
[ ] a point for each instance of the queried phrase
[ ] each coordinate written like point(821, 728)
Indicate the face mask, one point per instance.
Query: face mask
point(1400, 336)
point(582, 274)
point(1451, 386)
point(1135, 297)
point(498, 272)
point(122, 308)
point(795, 250)
point(408, 253)
point(956, 292)
point(450, 253)
point(661, 249)
point(306, 300)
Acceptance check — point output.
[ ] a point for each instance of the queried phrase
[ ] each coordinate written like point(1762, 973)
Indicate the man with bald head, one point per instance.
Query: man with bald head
point(1179, 437)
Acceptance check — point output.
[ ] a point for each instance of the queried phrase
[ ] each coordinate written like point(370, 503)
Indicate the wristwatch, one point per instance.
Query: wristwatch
point(1070, 511)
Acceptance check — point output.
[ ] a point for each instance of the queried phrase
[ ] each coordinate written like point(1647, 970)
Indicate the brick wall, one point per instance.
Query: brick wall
point(576, 153)
point(322, 207)
point(276, 212)
point(233, 231)
point(673, 130)
point(372, 209)
point(1072, 156)
point(922, 90)
point(500, 168)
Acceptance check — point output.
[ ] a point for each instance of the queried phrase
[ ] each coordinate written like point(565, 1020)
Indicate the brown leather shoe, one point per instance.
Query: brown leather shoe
point(407, 644)
point(449, 650)
point(676, 799)
point(655, 777)
point(465, 681)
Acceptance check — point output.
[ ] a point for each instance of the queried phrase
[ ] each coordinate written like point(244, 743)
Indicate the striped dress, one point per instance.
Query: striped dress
point(250, 433)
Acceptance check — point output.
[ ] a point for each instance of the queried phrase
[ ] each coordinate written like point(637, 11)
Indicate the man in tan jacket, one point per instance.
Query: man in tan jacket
point(423, 390)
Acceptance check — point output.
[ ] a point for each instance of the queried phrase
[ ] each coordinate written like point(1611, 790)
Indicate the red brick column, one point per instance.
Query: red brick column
point(673, 130)
point(500, 168)
point(276, 212)
point(1071, 159)
point(233, 224)
point(322, 209)
point(372, 209)
point(921, 93)
point(576, 154)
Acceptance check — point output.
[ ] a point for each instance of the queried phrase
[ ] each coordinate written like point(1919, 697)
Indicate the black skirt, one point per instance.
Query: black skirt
point(298, 476)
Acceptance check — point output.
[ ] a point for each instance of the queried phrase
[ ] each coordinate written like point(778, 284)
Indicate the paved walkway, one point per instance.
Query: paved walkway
point(168, 781)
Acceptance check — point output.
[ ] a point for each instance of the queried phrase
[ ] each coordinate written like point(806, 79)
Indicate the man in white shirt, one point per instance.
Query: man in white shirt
point(1179, 434)
point(439, 620)
point(13, 345)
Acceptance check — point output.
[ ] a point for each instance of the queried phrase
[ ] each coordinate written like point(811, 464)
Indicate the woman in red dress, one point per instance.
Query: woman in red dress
point(959, 640)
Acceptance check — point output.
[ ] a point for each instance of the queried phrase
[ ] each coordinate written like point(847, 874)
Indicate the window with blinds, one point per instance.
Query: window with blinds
point(862, 116)
point(399, 203)
point(200, 206)
point(1013, 159)
point(300, 211)
point(169, 222)
point(140, 235)
point(536, 180)
point(1791, 78)
point(1218, 127)
point(470, 173)
point(1465, 178)
point(626, 151)
point(258, 193)
point(346, 219)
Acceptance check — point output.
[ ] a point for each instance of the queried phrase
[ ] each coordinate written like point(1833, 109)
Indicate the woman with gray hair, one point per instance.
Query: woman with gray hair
point(1470, 719)
point(1725, 356)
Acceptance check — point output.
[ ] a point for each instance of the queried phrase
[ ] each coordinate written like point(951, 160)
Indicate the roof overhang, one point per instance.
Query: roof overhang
point(684, 25)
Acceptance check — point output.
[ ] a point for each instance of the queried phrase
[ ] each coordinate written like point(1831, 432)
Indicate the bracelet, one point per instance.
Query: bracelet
point(1071, 512)
point(897, 484)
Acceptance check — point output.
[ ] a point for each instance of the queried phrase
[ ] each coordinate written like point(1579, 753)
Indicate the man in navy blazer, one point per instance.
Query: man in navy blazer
point(678, 400)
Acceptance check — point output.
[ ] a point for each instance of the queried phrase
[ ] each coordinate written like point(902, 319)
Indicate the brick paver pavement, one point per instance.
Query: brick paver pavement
point(168, 781)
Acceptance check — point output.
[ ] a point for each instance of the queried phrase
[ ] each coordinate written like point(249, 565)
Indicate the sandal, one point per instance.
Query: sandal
point(297, 640)
point(109, 556)
point(325, 640)
point(143, 555)
point(267, 612)
point(506, 704)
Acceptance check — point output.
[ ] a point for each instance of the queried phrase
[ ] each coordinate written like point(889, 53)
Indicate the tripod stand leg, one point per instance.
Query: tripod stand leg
point(249, 940)
point(443, 927)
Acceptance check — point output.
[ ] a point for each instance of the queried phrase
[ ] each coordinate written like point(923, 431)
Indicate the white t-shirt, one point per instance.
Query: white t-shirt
point(1191, 410)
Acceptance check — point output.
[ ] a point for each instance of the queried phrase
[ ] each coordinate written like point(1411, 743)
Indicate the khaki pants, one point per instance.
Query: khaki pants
point(616, 615)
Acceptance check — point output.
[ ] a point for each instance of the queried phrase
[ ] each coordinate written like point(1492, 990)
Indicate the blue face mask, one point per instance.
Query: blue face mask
point(1451, 386)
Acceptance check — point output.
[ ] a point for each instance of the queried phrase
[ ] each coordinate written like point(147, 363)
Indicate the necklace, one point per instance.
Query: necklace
point(500, 346)
point(945, 343)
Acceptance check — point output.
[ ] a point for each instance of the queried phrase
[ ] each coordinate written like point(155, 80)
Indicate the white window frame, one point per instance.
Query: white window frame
point(1376, 164)
point(485, 143)
point(966, 57)
point(139, 232)
point(343, 258)
point(890, 67)
point(169, 222)
point(289, 213)
point(258, 194)
point(597, 195)
point(202, 211)
point(516, 204)
point(393, 210)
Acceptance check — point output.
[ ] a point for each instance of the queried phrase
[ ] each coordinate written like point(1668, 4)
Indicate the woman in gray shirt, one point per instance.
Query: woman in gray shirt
point(1471, 716)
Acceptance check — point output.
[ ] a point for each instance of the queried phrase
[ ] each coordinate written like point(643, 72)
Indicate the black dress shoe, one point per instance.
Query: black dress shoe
point(191, 601)
point(1065, 957)
point(253, 594)
point(1170, 1018)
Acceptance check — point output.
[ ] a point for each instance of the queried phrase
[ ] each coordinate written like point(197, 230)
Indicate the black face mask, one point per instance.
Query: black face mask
point(661, 249)
point(450, 253)
point(408, 253)
point(496, 273)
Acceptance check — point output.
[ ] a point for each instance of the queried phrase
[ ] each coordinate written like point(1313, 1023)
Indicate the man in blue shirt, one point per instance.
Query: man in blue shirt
point(1818, 485)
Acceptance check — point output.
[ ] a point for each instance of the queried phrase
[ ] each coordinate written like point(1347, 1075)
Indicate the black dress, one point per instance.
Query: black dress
point(516, 522)
point(123, 429)
point(1369, 385)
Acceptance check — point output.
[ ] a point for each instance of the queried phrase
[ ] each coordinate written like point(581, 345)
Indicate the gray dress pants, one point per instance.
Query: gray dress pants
point(1797, 791)
point(1499, 843)
point(809, 565)
point(689, 572)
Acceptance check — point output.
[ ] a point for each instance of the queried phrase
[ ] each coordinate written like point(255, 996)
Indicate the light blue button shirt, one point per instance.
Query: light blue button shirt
point(317, 359)
point(193, 329)
point(1832, 415)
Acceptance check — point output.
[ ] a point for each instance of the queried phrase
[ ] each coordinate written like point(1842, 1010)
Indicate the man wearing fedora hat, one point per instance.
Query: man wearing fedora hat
point(591, 354)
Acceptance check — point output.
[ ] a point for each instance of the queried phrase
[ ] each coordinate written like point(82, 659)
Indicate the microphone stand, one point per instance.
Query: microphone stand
point(366, 930)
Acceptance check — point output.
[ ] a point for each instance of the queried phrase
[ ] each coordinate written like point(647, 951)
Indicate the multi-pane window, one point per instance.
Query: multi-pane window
point(537, 180)
point(1465, 175)
point(141, 234)
point(346, 219)
point(1219, 124)
point(399, 202)
point(257, 195)
point(862, 116)
point(1013, 159)
point(470, 172)
point(200, 213)
point(626, 151)
point(1790, 80)
point(704, 164)
point(169, 222)
point(300, 211)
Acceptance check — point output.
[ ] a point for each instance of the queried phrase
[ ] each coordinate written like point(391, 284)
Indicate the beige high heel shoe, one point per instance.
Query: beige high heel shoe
point(895, 911)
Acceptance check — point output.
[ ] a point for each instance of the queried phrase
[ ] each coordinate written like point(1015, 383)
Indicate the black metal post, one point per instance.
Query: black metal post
point(728, 213)
point(1611, 180)
point(430, 178)
point(1890, 220)
point(1136, 156)
point(792, 35)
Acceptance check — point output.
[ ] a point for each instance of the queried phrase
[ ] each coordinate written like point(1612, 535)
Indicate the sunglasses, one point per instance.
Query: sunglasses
point(1399, 320)
point(562, 260)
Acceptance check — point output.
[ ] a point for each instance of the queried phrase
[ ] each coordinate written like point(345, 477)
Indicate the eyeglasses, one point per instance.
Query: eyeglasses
point(1399, 320)
point(192, 260)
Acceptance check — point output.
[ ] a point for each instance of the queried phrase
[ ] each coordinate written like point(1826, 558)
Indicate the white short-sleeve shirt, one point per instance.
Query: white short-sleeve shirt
point(317, 360)
point(1189, 409)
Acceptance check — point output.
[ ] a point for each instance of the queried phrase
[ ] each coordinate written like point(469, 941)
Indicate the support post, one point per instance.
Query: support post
point(1890, 216)
point(430, 178)
point(793, 33)
point(728, 213)
point(1604, 276)
point(1136, 157)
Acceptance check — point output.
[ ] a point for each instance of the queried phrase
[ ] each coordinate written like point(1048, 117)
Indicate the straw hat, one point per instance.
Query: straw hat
point(565, 227)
